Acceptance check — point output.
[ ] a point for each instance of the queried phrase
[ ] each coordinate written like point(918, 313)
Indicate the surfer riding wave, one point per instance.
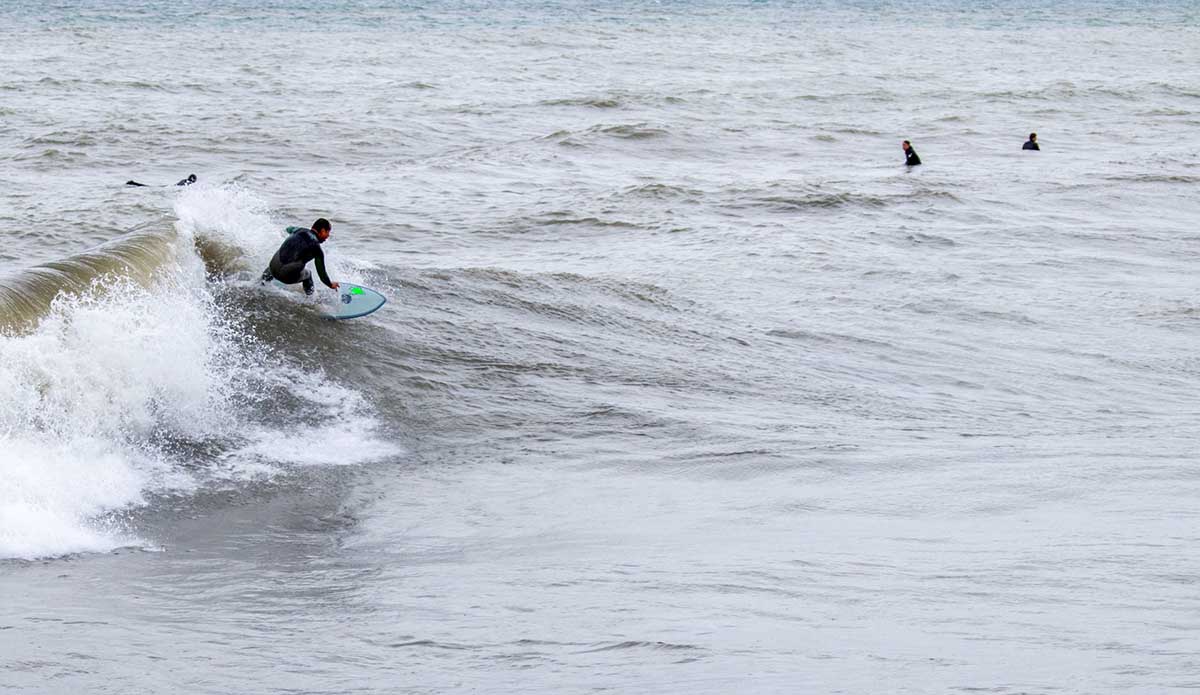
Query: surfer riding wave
point(301, 246)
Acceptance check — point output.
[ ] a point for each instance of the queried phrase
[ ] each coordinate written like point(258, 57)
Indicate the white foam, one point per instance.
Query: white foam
point(338, 429)
point(50, 491)
point(86, 396)
point(236, 217)
point(232, 215)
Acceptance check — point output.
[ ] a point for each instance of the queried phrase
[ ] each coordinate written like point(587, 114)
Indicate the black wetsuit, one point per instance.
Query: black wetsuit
point(287, 265)
point(1030, 145)
point(910, 157)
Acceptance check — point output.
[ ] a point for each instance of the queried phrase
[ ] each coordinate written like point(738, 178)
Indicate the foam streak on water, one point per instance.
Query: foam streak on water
point(685, 382)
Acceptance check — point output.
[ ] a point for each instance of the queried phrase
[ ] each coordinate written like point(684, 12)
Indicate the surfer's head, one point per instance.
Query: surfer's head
point(322, 229)
point(1033, 137)
point(906, 145)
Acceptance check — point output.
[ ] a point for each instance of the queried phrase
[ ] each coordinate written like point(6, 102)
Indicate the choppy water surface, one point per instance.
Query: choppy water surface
point(685, 385)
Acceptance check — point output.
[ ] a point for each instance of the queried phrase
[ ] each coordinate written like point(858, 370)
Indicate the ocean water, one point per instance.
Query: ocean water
point(685, 384)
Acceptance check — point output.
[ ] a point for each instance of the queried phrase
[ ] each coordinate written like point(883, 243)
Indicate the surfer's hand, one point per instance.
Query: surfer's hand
point(335, 285)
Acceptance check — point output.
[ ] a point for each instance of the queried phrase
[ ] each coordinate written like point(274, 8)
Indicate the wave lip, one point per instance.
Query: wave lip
point(619, 131)
point(28, 296)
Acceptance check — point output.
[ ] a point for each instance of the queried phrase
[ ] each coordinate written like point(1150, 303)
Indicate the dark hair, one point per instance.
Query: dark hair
point(906, 142)
point(320, 224)
point(1032, 136)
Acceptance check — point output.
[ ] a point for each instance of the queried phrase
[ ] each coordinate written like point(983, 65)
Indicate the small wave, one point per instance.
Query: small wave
point(1180, 310)
point(137, 84)
point(1165, 112)
point(797, 334)
point(661, 191)
point(51, 154)
point(826, 338)
point(640, 644)
point(822, 200)
point(591, 102)
point(812, 199)
point(430, 644)
point(1178, 90)
point(552, 219)
point(1061, 91)
point(641, 292)
point(922, 239)
point(572, 282)
point(627, 131)
point(62, 137)
point(637, 131)
point(570, 298)
point(932, 194)
point(1003, 316)
point(1155, 178)
point(853, 130)
point(789, 197)
point(75, 83)
point(969, 314)
point(613, 99)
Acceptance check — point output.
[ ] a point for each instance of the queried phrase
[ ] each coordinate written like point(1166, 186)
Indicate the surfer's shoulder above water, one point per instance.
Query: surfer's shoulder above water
point(910, 155)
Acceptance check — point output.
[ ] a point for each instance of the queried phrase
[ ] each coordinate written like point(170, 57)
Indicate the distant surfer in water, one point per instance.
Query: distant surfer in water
point(1031, 143)
point(191, 178)
point(301, 246)
point(910, 155)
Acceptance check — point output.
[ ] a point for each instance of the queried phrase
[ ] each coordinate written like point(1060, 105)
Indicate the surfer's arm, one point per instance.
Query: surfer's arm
point(320, 263)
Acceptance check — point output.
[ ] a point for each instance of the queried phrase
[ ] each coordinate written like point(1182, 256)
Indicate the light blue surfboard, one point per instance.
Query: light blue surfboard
point(352, 301)
point(355, 301)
